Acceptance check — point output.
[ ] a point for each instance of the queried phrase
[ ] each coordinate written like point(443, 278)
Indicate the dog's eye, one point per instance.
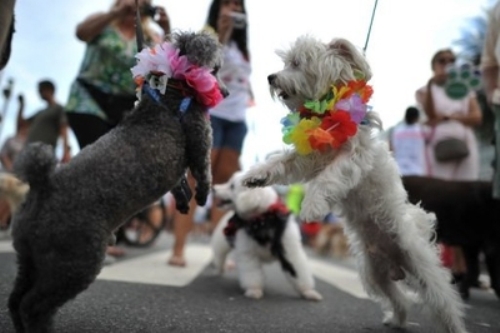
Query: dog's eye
point(231, 187)
point(215, 70)
point(295, 63)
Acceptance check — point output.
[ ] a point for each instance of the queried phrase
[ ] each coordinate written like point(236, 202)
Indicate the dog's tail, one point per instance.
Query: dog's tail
point(35, 164)
point(13, 190)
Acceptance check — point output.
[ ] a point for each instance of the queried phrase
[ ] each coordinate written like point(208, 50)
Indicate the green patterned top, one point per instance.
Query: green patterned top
point(106, 64)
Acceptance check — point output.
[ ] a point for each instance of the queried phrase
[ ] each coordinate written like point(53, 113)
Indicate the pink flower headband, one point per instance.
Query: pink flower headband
point(158, 64)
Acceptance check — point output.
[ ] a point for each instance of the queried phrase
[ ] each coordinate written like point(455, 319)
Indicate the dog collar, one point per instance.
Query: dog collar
point(328, 123)
point(154, 94)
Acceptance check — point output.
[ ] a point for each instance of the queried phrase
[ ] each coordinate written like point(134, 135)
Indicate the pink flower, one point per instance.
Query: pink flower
point(210, 98)
point(200, 79)
point(179, 64)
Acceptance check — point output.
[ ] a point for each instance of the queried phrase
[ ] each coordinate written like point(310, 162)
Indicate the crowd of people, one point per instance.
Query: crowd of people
point(103, 91)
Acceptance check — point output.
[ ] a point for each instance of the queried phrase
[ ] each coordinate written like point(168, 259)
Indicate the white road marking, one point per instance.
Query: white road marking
point(342, 278)
point(6, 246)
point(153, 268)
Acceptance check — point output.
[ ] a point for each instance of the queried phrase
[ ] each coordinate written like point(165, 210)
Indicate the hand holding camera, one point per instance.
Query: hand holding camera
point(227, 22)
point(157, 14)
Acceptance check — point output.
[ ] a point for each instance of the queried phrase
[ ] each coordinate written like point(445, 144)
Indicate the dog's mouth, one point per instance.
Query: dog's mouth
point(283, 95)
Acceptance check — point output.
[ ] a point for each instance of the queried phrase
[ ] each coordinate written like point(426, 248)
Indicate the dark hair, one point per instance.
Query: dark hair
point(411, 115)
point(46, 85)
point(239, 35)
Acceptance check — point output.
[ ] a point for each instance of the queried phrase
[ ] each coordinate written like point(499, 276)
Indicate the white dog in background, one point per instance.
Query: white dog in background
point(391, 238)
point(261, 230)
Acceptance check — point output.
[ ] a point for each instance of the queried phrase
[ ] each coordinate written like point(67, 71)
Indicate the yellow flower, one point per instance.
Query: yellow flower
point(299, 136)
point(337, 95)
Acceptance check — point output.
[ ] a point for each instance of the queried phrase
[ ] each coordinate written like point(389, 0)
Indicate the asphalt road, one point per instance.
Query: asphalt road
point(140, 294)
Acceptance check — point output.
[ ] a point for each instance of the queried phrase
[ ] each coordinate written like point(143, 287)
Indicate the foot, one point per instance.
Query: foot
point(177, 261)
point(115, 251)
point(391, 320)
point(312, 295)
point(254, 293)
point(230, 265)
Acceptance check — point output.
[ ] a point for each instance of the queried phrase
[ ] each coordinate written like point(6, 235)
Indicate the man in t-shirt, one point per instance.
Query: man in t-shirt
point(407, 143)
point(50, 123)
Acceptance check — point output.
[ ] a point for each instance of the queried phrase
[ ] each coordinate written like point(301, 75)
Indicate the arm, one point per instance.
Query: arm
point(20, 113)
point(66, 148)
point(474, 117)
point(489, 63)
point(94, 25)
point(5, 153)
point(163, 20)
point(425, 102)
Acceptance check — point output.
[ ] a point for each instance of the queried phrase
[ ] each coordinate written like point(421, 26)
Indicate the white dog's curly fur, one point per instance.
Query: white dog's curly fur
point(390, 237)
point(249, 254)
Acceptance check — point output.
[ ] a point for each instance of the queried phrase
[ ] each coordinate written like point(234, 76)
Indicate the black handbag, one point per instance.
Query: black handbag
point(113, 105)
point(451, 150)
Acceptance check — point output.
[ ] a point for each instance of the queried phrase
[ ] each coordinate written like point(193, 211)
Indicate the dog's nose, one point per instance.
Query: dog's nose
point(271, 78)
point(224, 92)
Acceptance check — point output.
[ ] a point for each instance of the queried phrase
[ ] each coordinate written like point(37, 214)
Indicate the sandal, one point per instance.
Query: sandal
point(176, 261)
point(115, 251)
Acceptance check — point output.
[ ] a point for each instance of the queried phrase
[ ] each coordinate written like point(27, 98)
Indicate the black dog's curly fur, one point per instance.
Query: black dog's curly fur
point(467, 216)
point(63, 227)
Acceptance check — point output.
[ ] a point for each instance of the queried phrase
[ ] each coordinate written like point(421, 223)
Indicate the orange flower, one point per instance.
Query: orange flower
point(335, 129)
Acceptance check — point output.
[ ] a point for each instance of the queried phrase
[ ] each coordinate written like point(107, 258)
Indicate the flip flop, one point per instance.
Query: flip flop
point(176, 261)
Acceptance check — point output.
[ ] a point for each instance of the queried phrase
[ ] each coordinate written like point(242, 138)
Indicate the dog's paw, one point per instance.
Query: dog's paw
point(393, 321)
point(256, 180)
point(254, 293)
point(201, 196)
point(312, 295)
point(182, 207)
point(313, 213)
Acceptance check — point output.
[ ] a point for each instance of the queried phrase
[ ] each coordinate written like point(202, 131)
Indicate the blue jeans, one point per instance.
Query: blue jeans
point(228, 134)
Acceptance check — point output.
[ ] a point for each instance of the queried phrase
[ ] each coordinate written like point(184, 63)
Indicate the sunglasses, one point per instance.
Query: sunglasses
point(445, 61)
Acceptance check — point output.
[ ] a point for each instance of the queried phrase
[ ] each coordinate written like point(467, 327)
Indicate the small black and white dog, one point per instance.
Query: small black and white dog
point(260, 229)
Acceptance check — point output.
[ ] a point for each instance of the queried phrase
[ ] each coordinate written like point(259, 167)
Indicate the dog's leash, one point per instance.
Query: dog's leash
point(182, 190)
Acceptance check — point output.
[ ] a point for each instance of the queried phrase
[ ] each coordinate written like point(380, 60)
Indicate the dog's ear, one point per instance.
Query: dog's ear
point(343, 48)
point(200, 48)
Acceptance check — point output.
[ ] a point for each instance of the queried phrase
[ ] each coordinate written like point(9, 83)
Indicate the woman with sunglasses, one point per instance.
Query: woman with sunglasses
point(450, 117)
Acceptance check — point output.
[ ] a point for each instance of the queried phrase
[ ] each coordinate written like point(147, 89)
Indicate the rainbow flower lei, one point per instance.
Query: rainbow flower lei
point(156, 65)
point(329, 122)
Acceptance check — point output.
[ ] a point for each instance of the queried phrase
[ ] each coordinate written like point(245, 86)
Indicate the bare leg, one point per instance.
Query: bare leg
point(183, 224)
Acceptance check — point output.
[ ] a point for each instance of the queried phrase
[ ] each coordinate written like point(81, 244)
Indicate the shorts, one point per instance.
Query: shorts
point(228, 134)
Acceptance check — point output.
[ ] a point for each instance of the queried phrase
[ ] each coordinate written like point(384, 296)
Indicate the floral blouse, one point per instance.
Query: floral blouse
point(106, 65)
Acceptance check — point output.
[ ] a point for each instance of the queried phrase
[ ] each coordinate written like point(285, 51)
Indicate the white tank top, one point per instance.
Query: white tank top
point(235, 73)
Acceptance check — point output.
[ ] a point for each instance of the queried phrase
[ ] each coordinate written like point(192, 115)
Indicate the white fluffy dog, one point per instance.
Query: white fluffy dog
point(261, 230)
point(355, 174)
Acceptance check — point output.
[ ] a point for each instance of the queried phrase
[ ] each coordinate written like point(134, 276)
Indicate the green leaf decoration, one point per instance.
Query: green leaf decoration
point(313, 105)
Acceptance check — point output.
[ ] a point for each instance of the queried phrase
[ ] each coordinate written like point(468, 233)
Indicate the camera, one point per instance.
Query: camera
point(239, 20)
point(149, 10)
